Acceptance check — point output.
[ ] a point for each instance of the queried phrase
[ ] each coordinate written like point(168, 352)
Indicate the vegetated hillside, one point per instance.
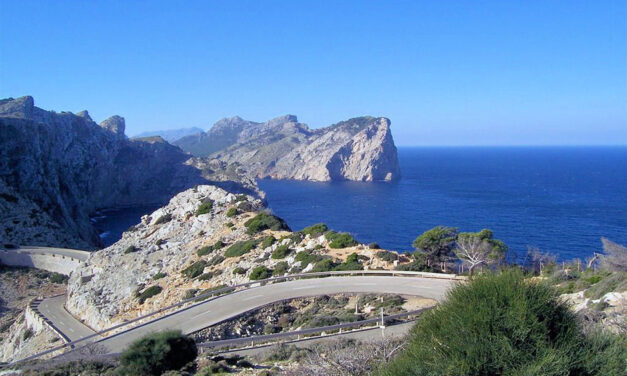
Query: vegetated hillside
point(282, 148)
point(171, 135)
point(204, 238)
point(57, 168)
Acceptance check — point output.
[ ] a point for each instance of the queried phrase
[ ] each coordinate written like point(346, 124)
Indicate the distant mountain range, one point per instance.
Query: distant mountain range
point(171, 135)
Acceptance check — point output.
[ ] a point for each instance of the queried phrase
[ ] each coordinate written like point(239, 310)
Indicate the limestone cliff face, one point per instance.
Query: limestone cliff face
point(56, 168)
point(359, 149)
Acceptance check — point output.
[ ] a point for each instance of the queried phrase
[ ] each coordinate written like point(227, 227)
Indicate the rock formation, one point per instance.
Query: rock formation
point(359, 149)
point(171, 135)
point(57, 168)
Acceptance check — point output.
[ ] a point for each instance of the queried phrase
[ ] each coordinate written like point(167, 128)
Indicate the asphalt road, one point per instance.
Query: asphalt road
point(53, 309)
point(74, 253)
point(214, 311)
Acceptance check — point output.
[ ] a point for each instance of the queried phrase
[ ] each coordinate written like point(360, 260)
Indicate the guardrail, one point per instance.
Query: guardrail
point(201, 299)
point(34, 306)
point(303, 332)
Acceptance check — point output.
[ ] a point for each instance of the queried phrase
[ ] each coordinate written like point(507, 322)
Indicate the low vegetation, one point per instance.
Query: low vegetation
point(315, 230)
point(281, 252)
point(210, 248)
point(131, 249)
point(195, 269)
point(340, 239)
point(260, 272)
point(157, 353)
point(264, 221)
point(241, 248)
point(164, 219)
point(268, 241)
point(232, 212)
point(205, 207)
point(514, 327)
point(149, 293)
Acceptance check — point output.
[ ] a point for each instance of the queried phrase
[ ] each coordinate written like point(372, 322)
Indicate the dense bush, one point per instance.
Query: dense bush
point(157, 353)
point(232, 212)
point(315, 230)
point(340, 239)
point(260, 272)
point(205, 276)
point(205, 207)
point(164, 219)
point(195, 269)
point(215, 260)
point(325, 265)
point(149, 293)
point(418, 264)
point(204, 251)
point(307, 257)
point(374, 246)
point(280, 268)
point(268, 241)
point(241, 248)
point(504, 325)
point(387, 256)
point(58, 278)
point(264, 221)
point(281, 252)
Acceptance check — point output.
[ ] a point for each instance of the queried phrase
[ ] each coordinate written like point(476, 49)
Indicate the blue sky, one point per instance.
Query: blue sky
point(444, 72)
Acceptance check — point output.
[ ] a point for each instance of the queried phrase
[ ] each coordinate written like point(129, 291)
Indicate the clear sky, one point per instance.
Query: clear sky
point(445, 72)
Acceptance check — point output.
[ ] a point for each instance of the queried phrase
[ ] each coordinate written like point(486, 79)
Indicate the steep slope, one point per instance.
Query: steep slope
point(359, 149)
point(57, 168)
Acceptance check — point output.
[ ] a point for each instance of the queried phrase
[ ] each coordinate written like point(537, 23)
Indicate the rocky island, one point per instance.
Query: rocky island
point(360, 149)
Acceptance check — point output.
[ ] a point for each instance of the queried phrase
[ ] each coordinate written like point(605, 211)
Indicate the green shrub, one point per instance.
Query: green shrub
point(58, 278)
point(280, 268)
point(195, 269)
point(260, 272)
point(205, 276)
point(204, 251)
point(264, 221)
point(239, 270)
point(164, 219)
point(157, 353)
point(205, 207)
point(374, 246)
point(241, 248)
point(229, 225)
point(340, 239)
point(281, 252)
point(149, 293)
point(232, 212)
point(131, 249)
point(387, 256)
point(616, 281)
point(326, 265)
point(498, 324)
point(215, 260)
point(240, 198)
point(159, 242)
point(307, 257)
point(27, 334)
point(315, 230)
point(159, 275)
point(268, 241)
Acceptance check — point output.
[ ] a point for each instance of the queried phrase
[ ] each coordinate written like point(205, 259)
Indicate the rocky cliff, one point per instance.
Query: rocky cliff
point(57, 168)
point(359, 149)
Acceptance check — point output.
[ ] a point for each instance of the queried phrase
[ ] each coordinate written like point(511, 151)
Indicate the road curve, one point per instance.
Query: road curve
point(226, 307)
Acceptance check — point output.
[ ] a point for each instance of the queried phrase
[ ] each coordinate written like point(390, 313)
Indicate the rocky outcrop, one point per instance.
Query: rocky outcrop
point(360, 149)
point(171, 135)
point(57, 168)
point(158, 250)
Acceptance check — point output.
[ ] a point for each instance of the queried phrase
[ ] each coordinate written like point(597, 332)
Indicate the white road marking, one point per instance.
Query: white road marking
point(253, 297)
point(200, 314)
point(365, 284)
point(71, 330)
point(62, 323)
point(306, 287)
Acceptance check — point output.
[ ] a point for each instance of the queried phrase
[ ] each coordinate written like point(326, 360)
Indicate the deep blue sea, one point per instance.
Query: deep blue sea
point(561, 200)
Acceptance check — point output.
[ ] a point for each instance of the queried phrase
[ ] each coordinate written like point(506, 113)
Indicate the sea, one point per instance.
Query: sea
point(558, 200)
